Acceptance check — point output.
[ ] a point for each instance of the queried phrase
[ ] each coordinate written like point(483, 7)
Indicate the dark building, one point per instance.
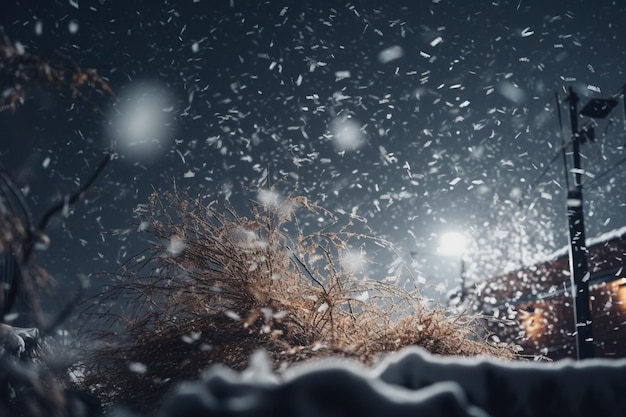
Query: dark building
point(536, 301)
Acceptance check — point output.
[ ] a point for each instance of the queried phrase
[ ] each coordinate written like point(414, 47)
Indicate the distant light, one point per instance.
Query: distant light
point(451, 244)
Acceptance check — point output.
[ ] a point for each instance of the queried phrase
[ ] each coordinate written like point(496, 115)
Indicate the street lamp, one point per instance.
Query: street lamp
point(579, 271)
point(453, 244)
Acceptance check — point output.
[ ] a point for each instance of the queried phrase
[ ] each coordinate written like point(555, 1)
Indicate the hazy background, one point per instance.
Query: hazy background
point(422, 116)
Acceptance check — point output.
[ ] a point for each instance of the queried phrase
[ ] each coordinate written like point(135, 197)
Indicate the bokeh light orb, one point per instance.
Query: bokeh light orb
point(142, 122)
point(347, 134)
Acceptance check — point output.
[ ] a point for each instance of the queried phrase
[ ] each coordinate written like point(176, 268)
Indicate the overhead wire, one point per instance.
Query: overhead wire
point(616, 164)
point(560, 151)
point(564, 144)
point(607, 171)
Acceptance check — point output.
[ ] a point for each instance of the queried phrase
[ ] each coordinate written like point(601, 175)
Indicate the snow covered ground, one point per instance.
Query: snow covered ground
point(409, 383)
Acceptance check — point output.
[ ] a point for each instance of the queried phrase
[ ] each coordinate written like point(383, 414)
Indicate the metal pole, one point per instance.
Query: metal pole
point(579, 270)
point(573, 116)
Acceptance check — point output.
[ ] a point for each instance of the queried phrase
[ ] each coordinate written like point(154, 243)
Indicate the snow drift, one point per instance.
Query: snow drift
point(411, 382)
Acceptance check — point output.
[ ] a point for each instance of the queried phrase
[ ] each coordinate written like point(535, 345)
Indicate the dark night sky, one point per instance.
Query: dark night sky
point(454, 102)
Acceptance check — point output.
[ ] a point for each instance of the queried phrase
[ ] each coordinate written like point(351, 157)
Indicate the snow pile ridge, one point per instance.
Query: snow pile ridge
point(325, 388)
point(533, 389)
point(409, 383)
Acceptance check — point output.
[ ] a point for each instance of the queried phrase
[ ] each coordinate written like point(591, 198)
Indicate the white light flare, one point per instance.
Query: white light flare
point(452, 244)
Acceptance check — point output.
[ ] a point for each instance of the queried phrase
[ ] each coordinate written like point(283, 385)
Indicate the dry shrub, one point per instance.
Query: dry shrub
point(216, 286)
point(24, 71)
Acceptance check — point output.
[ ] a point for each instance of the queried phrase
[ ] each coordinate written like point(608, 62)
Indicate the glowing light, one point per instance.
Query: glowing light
point(533, 320)
point(619, 288)
point(451, 244)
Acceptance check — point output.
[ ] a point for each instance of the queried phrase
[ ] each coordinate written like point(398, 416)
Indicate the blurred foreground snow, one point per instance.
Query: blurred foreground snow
point(409, 383)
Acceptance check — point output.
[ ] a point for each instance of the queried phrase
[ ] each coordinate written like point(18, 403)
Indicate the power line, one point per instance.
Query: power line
point(607, 171)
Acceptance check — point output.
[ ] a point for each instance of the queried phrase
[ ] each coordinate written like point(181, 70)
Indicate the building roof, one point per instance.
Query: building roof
point(606, 260)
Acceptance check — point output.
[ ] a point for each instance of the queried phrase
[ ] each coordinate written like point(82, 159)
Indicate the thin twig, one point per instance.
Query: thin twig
point(76, 196)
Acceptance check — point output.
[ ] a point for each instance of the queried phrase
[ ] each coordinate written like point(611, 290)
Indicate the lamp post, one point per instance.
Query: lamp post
point(453, 244)
point(579, 270)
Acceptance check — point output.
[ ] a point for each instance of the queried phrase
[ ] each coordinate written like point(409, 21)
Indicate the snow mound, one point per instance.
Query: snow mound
point(409, 383)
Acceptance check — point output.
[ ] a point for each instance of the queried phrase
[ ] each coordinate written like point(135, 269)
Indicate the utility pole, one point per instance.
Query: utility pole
point(596, 108)
point(579, 270)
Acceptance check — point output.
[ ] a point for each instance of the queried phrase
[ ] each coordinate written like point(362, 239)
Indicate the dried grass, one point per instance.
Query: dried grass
point(215, 286)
